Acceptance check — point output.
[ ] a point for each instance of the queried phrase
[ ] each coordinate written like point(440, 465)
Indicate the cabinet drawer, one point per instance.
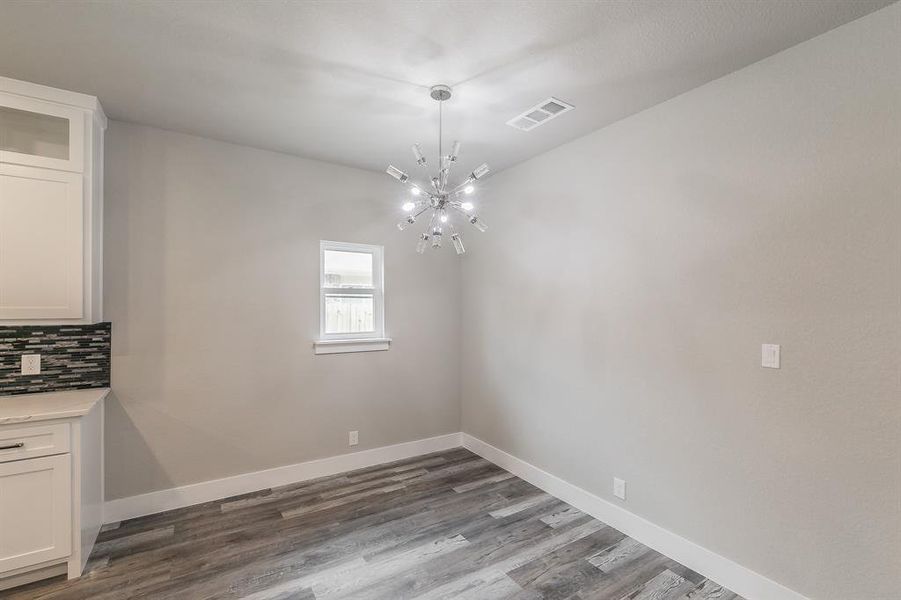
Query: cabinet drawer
point(32, 440)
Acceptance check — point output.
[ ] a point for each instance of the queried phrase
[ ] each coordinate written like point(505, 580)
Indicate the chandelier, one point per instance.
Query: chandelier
point(438, 201)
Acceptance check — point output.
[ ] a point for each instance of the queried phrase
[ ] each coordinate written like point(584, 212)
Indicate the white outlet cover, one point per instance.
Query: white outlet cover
point(619, 488)
point(770, 355)
point(353, 438)
point(31, 364)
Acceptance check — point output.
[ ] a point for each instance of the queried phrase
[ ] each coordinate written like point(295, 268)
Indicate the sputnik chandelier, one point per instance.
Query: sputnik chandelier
point(439, 200)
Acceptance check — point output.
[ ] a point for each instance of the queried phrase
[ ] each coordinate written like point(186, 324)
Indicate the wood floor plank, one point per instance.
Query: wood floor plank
point(563, 516)
point(665, 586)
point(708, 590)
point(303, 510)
point(563, 572)
point(448, 525)
point(617, 555)
point(521, 558)
point(520, 506)
point(467, 487)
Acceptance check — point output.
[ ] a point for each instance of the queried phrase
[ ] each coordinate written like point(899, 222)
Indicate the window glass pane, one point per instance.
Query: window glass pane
point(348, 269)
point(33, 133)
point(349, 314)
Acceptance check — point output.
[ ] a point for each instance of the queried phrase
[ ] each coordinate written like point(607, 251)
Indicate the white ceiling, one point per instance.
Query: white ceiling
point(347, 82)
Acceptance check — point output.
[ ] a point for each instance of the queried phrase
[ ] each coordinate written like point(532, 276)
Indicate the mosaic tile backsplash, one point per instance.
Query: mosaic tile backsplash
point(72, 357)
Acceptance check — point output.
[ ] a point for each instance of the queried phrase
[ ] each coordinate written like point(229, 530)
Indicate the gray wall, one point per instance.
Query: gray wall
point(613, 315)
point(211, 282)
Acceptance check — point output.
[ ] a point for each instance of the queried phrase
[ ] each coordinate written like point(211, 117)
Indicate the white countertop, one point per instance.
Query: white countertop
point(20, 408)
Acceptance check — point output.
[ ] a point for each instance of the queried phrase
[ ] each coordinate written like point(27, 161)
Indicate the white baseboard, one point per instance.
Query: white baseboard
point(206, 491)
point(740, 580)
point(720, 569)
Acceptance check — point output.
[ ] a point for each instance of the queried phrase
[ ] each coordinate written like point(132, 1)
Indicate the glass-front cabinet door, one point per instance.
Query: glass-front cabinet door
point(41, 134)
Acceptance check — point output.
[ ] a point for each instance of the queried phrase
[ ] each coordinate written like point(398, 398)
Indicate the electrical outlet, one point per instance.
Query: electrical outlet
point(619, 488)
point(769, 355)
point(353, 438)
point(31, 364)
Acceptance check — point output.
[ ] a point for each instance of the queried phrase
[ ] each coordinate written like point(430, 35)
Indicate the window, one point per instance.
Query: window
point(351, 298)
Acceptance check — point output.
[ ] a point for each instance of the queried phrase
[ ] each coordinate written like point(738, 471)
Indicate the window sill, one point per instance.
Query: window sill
point(360, 345)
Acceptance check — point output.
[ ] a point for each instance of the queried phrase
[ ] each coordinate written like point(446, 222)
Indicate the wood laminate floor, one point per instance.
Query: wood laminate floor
point(449, 525)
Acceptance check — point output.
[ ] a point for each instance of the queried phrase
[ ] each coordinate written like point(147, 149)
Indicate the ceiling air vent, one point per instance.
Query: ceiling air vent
point(540, 114)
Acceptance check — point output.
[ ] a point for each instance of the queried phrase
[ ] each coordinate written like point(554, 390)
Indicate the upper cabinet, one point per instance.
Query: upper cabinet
point(41, 134)
point(51, 205)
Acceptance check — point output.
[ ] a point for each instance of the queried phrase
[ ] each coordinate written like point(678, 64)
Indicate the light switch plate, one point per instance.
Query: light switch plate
point(353, 438)
point(31, 364)
point(769, 356)
point(619, 488)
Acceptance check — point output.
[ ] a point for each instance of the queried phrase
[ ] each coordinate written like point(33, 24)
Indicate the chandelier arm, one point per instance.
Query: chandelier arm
point(442, 176)
point(445, 172)
point(415, 184)
point(419, 156)
point(459, 188)
point(433, 222)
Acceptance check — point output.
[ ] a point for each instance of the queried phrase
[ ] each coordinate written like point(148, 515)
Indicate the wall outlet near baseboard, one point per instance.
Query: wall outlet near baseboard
point(353, 438)
point(31, 364)
point(619, 488)
point(770, 355)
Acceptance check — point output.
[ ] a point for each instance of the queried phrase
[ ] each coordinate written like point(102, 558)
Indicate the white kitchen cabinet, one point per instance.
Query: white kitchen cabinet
point(51, 205)
point(51, 483)
point(35, 500)
point(41, 241)
point(41, 134)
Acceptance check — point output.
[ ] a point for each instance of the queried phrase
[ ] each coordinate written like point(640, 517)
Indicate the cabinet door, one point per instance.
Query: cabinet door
point(41, 243)
point(35, 511)
point(41, 134)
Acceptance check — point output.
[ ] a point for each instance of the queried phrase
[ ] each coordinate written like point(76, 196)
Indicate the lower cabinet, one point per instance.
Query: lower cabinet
point(51, 493)
point(35, 511)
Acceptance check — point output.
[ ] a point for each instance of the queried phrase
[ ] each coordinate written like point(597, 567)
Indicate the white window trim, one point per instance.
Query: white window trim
point(333, 343)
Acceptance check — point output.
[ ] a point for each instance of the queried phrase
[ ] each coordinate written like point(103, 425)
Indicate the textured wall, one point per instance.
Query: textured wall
point(613, 315)
point(211, 280)
point(72, 357)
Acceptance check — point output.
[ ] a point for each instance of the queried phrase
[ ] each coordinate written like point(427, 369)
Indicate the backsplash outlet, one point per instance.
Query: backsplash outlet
point(72, 357)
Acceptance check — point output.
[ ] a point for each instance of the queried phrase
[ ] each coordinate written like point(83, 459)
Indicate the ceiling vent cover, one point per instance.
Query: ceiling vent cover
point(540, 114)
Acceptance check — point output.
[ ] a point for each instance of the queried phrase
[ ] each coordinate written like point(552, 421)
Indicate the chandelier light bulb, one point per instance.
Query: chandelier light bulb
point(417, 154)
point(444, 218)
point(466, 206)
point(469, 189)
point(480, 171)
point(458, 243)
point(406, 222)
point(415, 191)
point(397, 173)
point(408, 206)
point(423, 243)
point(478, 223)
